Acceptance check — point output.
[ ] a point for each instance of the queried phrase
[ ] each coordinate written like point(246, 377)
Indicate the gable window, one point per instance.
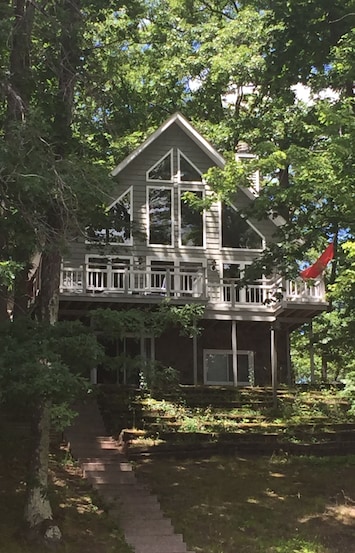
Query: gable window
point(188, 172)
point(115, 225)
point(160, 216)
point(162, 170)
point(191, 221)
point(237, 232)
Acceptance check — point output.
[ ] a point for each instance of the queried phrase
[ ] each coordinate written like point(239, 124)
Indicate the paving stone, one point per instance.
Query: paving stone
point(110, 476)
point(151, 544)
point(146, 526)
point(137, 517)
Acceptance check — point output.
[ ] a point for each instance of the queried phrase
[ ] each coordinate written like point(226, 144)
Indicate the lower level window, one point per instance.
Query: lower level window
point(218, 367)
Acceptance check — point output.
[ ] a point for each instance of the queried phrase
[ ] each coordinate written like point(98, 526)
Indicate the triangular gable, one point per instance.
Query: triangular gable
point(190, 131)
point(199, 140)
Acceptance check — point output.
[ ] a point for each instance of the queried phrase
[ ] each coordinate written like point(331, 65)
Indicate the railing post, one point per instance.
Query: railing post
point(204, 282)
point(84, 276)
point(167, 279)
point(125, 280)
point(233, 293)
point(61, 277)
point(109, 275)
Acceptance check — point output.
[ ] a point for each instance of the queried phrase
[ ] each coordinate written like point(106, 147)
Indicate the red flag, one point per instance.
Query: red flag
point(318, 267)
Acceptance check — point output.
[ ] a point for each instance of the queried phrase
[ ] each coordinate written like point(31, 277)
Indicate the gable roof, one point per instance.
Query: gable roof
point(190, 131)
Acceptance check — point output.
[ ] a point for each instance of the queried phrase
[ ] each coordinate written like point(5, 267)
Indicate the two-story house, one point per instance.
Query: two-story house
point(165, 248)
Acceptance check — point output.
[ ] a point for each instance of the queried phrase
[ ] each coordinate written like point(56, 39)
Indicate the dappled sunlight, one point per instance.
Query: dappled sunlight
point(277, 474)
point(274, 495)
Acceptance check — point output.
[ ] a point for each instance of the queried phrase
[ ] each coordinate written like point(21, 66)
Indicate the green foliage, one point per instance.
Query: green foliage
point(41, 361)
point(147, 322)
point(157, 378)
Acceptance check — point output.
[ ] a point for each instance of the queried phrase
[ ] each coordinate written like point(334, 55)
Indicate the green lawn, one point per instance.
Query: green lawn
point(258, 505)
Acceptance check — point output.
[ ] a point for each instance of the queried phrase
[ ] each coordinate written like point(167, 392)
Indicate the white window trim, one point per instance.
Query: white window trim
point(128, 242)
point(109, 256)
point(170, 152)
point(226, 248)
point(172, 216)
point(186, 182)
point(251, 367)
point(185, 188)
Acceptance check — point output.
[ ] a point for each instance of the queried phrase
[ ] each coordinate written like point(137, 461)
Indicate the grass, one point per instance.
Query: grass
point(279, 504)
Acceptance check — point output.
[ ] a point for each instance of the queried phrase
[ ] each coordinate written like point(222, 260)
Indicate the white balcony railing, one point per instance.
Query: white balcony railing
point(185, 284)
point(133, 281)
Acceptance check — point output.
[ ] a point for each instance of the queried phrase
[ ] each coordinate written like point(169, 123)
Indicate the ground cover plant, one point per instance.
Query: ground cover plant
point(277, 504)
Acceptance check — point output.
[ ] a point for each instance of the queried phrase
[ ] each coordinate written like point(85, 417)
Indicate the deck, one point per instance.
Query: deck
point(136, 286)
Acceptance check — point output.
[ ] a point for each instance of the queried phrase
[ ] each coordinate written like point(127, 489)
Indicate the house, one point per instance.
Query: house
point(164, 248)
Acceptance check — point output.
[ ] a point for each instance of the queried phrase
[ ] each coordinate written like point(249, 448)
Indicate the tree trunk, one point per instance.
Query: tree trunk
point(38, 508)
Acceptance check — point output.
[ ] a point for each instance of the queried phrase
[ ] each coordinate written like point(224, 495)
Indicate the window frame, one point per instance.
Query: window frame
point(180, 154)
point(169, 153)
point(185, 188)
point(172, 222)
point(251, 367)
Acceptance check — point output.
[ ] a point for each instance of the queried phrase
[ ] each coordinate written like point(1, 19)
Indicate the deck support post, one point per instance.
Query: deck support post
point(273, 356)
point(234, 353)
point(194, 356)
point(311, 352)
point(288, 359)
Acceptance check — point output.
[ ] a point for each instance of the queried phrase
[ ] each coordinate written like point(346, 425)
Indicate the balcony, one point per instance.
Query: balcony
point(137, 282)
point(123, 284)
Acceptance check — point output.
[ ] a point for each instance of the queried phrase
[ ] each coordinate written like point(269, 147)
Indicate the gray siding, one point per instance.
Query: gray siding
point(135, 175)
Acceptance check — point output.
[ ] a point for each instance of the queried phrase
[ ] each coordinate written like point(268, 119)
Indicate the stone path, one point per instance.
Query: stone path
point(137, 511)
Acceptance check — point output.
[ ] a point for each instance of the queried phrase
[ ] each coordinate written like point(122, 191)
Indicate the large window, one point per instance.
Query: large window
point(160, 216)
point(191, 220)
point(218, 367)
point(237, 232)
point(114, 226)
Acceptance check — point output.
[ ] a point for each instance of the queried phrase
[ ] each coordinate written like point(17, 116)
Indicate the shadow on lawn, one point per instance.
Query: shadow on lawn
point(258, 505)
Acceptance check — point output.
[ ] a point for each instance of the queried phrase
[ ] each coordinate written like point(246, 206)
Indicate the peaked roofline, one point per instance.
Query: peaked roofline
point(184, 124)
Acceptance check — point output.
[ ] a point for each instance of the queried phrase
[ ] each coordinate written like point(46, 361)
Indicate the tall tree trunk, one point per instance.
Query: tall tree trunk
point(38, 509)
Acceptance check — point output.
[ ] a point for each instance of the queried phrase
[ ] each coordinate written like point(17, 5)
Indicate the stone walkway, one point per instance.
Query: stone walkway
point(136, 510)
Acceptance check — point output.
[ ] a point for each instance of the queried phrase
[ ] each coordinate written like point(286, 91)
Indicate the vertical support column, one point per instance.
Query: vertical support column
point(93, 375)
point(288, 359)
point(124, 362)
point(194, 356)
point(152, 349)
point(311, 352)
point(234, 353)
point(273, 359)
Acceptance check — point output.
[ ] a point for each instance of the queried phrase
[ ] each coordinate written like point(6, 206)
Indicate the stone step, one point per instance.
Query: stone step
point(113, 479)
point(136, 502)
point(137, 518)
point(136, 511)
point(153, 544)
point(101, 465)
point(152, 527)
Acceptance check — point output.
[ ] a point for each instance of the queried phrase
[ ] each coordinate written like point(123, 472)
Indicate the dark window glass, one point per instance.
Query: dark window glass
point(236, 232)
point(162, 170)
point(160, 216)
point(113, 226)
point(191, 223)
point(188, 172)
